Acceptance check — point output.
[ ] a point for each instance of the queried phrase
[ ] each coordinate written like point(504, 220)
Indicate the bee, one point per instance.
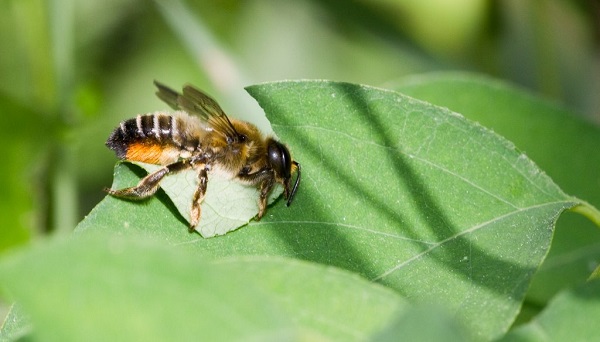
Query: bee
point(200, 136)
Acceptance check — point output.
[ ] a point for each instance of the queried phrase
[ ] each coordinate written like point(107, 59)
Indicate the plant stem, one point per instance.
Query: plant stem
point(589, 211)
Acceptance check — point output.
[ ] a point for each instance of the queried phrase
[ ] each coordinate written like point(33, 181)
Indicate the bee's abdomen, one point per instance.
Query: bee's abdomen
point(152, 138)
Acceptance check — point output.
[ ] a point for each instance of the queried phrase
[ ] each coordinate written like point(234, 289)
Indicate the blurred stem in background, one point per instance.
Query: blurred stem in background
point(220, 66)
point(63, 182)
point(546, 72)
point(47, 36)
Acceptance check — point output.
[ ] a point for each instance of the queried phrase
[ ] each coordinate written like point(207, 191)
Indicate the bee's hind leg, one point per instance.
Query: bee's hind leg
point(149, 184)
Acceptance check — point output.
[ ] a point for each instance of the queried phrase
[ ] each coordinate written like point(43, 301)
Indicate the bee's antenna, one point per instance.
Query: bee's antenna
point(293, 192)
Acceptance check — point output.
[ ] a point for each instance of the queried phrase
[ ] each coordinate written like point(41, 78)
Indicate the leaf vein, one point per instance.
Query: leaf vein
point(459, 234)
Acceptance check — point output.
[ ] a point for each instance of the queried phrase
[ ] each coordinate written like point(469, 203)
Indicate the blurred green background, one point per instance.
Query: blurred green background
point(71, 70)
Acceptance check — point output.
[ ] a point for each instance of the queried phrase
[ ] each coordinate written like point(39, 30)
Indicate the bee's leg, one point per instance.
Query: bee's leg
point(149, 184)
point(264, 177)
point(196, 211)
point(265, 189)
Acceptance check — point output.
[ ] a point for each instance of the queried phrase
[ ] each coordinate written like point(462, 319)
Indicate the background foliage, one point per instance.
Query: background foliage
point(71, 70)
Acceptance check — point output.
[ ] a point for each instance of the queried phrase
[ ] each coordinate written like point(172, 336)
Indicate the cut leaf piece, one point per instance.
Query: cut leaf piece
point(227, 206)
point(132, 289)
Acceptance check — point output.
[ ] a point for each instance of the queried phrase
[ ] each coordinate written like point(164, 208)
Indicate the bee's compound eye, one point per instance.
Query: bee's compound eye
point(279, 159)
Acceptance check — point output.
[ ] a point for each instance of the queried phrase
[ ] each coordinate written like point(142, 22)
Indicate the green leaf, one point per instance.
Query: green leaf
point(227, 206)
point(326, 301)
point(400, 191)
point(131, 289)
point(571, 316)
point(422, 196)
point(423, 323)
point(562, 144)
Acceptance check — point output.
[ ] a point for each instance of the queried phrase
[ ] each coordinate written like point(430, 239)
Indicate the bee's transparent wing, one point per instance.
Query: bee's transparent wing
point(168, 95)
point(195, 102)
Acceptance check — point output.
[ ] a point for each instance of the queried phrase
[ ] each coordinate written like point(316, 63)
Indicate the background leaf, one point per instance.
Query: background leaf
point(400, 191)
point(572, 315)
point(423, 323)
point(138, 288)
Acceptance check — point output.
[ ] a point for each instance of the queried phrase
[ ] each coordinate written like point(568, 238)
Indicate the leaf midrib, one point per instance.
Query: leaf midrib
point(467, 231)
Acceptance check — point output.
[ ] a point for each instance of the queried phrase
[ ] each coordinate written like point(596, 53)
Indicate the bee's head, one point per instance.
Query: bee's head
point(283, 166)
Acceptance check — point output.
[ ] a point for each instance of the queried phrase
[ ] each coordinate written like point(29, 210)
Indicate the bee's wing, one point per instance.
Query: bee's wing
point(168, 95)
point(196, 102)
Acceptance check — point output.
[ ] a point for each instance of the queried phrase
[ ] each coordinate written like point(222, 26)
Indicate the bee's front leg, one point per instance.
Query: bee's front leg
point(196, 211)
point(265, 189)
point(149, 184)
point(265, 178)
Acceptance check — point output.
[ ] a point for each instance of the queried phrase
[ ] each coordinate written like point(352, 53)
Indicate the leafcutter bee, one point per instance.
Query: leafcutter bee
point(200, 136)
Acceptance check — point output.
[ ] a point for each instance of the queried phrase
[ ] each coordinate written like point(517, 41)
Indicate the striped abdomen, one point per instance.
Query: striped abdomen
point(155, 138)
